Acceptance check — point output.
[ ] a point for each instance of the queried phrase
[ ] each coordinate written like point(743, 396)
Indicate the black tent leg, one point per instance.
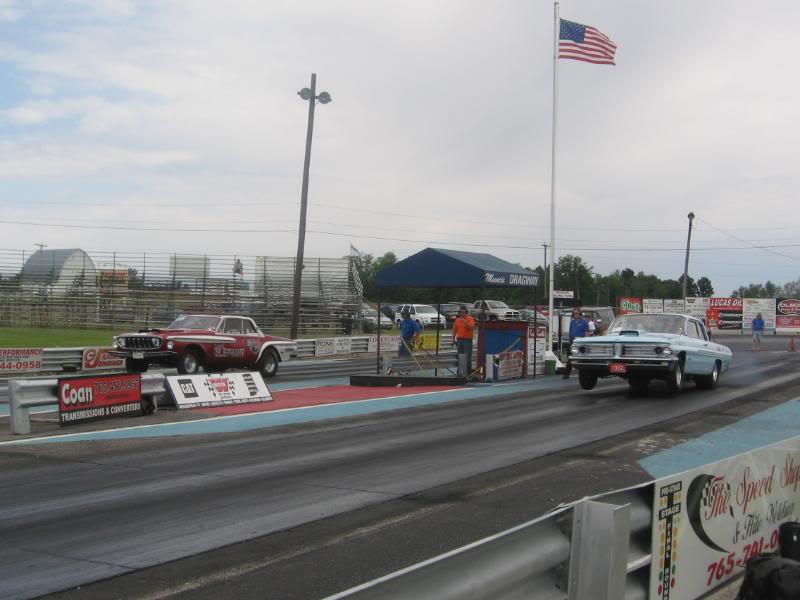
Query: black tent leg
point(439, 309)
point(378, 363)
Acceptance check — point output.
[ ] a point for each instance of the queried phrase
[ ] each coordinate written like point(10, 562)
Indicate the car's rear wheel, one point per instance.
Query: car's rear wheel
point(675, 378)
point(268, 365)
point(587, 380)
point(135, 366)
point(189, 363)
point(639, 385)
point(707, 382)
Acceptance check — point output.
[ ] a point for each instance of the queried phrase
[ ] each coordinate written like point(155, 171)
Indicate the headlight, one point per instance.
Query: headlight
point(155, 342)
point(170, 345)
point(666, 351)
point(115, 344)
point(121, 342)
point(573, 350)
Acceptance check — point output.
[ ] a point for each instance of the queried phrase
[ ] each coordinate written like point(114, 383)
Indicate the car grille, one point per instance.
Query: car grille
point(512, 315)
point(599, 350)
point(643, 350)
point(138, 342)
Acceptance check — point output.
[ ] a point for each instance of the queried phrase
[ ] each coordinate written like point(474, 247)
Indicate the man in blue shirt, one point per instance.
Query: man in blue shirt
point(578, 328)
point(408, 330)
point(758, 331)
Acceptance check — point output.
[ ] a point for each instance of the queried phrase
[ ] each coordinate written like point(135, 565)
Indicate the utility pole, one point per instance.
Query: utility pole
point(686, 263)
point(544, 245)
point(310, 96)
point(41, 247)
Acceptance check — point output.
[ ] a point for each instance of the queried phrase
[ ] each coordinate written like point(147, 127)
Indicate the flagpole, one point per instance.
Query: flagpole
point(553, 173)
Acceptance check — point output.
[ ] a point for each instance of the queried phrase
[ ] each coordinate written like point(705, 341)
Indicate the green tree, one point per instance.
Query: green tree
point(704, 287)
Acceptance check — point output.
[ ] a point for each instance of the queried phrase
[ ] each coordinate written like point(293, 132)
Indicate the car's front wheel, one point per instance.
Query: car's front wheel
point(189, 363)
point(707, 382)
point(675, 378)
point(587, 380)
point(268, 365)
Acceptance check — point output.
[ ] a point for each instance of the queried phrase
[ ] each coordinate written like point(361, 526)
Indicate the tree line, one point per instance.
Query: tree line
point(571, 273)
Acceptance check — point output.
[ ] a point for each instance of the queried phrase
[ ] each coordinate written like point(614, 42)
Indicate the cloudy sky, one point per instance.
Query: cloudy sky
point(126, 125)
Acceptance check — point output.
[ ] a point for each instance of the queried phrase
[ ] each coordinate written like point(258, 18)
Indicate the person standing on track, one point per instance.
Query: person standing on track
point(758, 331)
point(463, 328)
point(578, 328)
point(408, 331)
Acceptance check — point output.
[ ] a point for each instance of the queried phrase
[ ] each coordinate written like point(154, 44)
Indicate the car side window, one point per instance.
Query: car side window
point(247, 327)
point(233, 326)
point(693, 331)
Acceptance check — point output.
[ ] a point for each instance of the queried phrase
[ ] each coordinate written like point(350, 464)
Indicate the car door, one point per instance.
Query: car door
point(696, 358)
point(709, 349)
point(231, 354)
point(252, 341)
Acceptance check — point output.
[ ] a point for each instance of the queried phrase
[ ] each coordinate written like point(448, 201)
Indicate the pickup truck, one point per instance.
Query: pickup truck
point(493, 310)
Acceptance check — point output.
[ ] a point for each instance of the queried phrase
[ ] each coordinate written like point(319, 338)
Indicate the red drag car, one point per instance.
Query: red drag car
point(215, 343)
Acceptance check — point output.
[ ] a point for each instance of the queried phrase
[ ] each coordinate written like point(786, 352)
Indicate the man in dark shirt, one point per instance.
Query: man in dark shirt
point(578, 328)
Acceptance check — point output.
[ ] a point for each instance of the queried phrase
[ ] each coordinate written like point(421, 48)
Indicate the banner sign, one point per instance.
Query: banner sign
point(628, 305)
point(389, 343)
point(697, 307)
point(787, 313)
point(508, 365)
point(675, 307)
point(95, 359)
point(329, 346)
point(563, 294)
point(752, 306)
point(652, 306)
point(218, 389)
point(707, 522)
point(20, 359)
point(83, 399)
point(539, 332)
point(724, 313)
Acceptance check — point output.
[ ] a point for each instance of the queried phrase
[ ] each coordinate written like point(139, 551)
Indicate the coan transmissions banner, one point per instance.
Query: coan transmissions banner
point(709, 521)
point(19, 360)
point(787, 313)
point(628, 305)
point(225, 389)
point(724, 313)
point(82, 399)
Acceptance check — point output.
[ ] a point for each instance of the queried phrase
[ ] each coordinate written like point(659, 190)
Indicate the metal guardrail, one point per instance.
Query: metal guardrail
point(595, 549)
point(25, 394)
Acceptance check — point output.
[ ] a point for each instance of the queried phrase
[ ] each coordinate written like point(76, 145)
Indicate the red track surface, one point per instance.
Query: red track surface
point(322, 395)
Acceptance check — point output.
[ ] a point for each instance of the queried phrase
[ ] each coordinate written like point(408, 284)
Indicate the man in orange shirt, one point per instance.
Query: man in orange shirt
point(463, 328)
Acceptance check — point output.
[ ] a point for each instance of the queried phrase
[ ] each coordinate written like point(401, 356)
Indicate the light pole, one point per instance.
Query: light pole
point(686, 264)
point(312, 98)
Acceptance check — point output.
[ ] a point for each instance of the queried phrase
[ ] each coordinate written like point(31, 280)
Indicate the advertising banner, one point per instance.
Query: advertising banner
point(536, 356)
point(218, 389)
point(508, 365)
point(709, 521)
point(674, 306)
point(653, 306)
point(787, 313)
point(95, 359)
point(628, 305)
point(83, 399)
point(752, 306)
point(389, 343)
point(19, 360)
point(329, 346)
point(697, 307)
point(724, 313)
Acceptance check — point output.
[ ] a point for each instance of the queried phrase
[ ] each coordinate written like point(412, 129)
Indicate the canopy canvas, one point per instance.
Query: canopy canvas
point(439, 268)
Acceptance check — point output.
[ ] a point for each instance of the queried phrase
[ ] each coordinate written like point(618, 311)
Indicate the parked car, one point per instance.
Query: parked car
point(424, 314)
point(370, 318)
point(493, 310)
point(389, 310)
point(527, 314)
point(643, 347)
point(208, 341)
point(450, 310)
point(601, 316)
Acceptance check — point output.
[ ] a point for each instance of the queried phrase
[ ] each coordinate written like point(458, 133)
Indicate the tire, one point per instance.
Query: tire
point(135, 366)
point(268, 365)
point(707, 382)
point(638, 385)
point(493, 318)
point(675, 378)
point(587, 380)
point(189, 363)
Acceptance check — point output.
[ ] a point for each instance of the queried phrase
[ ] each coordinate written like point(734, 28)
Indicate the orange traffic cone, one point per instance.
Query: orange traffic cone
point(792, 347)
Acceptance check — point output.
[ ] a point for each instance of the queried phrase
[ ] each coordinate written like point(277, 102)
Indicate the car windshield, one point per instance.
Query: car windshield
point(648, 324)
point(370, 312)
point(425, 308)
point(195, 322)
point(497, 304)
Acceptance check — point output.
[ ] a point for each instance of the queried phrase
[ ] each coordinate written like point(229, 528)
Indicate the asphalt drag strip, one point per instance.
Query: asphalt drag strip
point(418, 482)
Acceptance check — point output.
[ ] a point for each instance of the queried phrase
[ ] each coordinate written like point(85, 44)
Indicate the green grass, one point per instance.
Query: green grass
point(34, 337)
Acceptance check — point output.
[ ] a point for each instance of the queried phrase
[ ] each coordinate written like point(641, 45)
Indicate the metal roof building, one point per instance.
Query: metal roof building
point(59, 269)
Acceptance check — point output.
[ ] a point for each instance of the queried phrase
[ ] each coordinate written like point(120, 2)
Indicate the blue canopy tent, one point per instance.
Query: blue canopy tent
point(439, 268)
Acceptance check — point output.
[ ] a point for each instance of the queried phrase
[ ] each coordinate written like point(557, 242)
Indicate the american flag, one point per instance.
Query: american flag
point(582, 42)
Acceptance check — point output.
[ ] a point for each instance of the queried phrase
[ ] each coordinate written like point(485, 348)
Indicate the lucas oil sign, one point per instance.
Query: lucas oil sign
point(82, 399)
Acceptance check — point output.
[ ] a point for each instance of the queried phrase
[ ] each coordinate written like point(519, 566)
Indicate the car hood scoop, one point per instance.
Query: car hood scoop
point(632, 332)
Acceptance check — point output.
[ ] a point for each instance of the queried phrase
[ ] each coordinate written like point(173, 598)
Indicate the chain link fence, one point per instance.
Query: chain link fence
point(79, 289)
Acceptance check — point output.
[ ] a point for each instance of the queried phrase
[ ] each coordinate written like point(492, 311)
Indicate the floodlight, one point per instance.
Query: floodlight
point(305, 94)
point(324, 97)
